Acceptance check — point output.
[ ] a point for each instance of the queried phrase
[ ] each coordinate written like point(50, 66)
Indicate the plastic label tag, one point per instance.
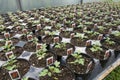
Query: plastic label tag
point(29, 37)
point(72, 35)
point(107, 54)
point(14, 74)
point(88, 43)
point(89, 66)
point(38, 46)
point(100, 37)
point(49, 61)
point(24, 31)
point(9, 54)
point(6, 35)
point(69, 51)
point(56, 39)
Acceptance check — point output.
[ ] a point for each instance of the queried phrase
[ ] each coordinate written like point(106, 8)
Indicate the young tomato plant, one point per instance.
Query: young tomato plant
point(109, 41)
point(116, 33)
point(78, 59)
point(81, 36)
point(9, 65)
point(8, 48)
point(41, 52)
point(60, 45)
point(95, 48)
point(52, 70)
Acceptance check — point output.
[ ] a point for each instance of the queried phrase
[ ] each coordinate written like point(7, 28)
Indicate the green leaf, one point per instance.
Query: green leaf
point(49, 74)
point(56, 70)
point(44, 72)
point(57, 64)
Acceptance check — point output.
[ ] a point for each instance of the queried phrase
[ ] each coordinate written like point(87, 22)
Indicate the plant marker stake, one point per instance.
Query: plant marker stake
point(29, 37)
point(61, 29)
point(95, 26)
point(39, 27)
point(73, 25)
point(89, 66)
point(88, 43)
point(107, 54)
point(24, 31)
point(49, 61)
point(14, 74)
point(56, 39)
point(8, 54)
point(38, 46)
point(100, 37)
point(110, 31)
point(9, 42)
point(6, 35)
point(69, 51)
point(18, 28)
point(72, 35)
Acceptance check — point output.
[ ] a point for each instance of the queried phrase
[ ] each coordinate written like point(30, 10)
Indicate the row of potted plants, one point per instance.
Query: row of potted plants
point(39, 37)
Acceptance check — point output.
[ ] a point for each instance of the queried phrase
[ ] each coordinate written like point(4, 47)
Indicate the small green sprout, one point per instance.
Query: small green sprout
point(78, 59)
point(9, 65)
point(41, 52)
point(8, 48)
point(51, 70)
point(60, 45)
point(109, 41)
point(116, 33)
point(96, 47)
point(81, 36)
point(2, 28)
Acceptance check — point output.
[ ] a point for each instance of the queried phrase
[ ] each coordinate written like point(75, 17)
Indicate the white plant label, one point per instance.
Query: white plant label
point(56, 39)
point(107, 54)
point(9, 54)
point(29, 37)
point(14, 74)
point(49, 61)
point(88, 43)
point(100, 37)
point(6, 35)
point(38, 46)
point(69, 51)
point(72, 35)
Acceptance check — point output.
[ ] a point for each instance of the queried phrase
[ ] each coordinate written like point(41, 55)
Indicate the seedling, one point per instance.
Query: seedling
point(96, 47)
point(2, 27)
point(9, 65)
point(41, 52)
point(8, 46)
point(51, 70)
point(78, 59)
point(60, 45)
point(116, 33)
point(92, 33)
point(56, 39)
point(109, 41)
point(81, 36)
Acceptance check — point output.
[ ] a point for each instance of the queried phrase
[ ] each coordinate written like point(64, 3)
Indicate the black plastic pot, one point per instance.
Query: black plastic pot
point(83, 76)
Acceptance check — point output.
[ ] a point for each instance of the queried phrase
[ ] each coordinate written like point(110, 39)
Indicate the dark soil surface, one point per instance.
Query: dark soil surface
point(63, 51)
point(78, 68)
point(61, 76)
point(22, 66)
point(42, 62)
point(78, 42)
